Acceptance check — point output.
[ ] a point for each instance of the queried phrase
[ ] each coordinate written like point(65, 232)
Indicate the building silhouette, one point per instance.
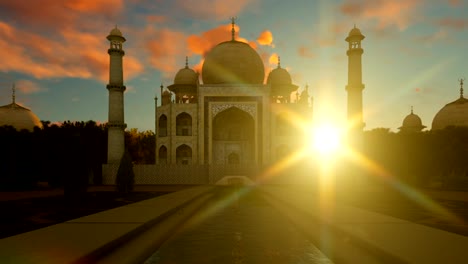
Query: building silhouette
point(452, 114)
point(412, 123)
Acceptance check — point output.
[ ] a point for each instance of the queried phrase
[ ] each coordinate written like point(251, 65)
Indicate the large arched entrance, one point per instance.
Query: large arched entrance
point(233, 137)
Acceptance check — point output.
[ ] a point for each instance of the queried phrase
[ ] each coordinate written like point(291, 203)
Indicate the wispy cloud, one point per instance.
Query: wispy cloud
point(59, 14)
point(453, 23)
point(56, 39)
point(73, 54)
point(305, 52)
point(200, 44)
point(167, 49)
point(28, 87)
point(395, 13)
point(213, 9)
point(455, 3)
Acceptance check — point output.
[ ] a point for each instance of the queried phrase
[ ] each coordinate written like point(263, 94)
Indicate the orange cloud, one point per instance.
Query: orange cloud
point(198, 66)
point(305, 52)
point(156, 19)
point(265, 38)
point(273, 59)
point(220, 10)
point(454, 23)
point(454, 3)
point(94, 6)
point(399, 13)
point(60, 14)
point(28, 87)
point(74, 54)
point(201, 44)
point(167, 50)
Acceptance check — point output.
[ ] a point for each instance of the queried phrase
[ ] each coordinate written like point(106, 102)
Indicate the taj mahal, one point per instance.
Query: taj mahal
point(231, 116)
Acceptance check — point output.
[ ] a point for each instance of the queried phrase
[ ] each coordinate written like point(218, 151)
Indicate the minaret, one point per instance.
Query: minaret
point(355, 85)
point(116, 125)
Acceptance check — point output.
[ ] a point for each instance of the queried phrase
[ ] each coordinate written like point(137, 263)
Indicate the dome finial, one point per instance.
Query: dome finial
point(186, 62)
point(461, 86)
point(233, 31)
point(279, 62)
point(13, 96)
point(411, 109)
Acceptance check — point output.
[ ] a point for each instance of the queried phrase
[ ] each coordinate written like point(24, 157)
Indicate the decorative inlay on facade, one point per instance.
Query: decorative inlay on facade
point(249, 108)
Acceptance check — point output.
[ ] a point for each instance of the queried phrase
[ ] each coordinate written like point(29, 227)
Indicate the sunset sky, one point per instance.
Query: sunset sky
point(56, 52)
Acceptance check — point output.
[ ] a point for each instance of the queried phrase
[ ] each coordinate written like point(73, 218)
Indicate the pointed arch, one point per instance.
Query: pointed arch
point(184, 154)
point(233, 158)
point(162, 155)
point(183, 124)
point(233, 132)
point(162, 126)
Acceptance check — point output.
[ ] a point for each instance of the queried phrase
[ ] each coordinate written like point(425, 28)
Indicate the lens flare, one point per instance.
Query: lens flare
point(326, 139)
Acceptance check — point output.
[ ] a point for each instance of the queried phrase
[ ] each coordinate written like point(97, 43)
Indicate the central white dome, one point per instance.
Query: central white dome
point(233, 62)
point(452, 114)
point(18, 117)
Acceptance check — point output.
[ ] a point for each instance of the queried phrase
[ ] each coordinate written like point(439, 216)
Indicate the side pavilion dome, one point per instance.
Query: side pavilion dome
point(186, 76)
point(412, 123)
point(281, 83)
point(452, 114)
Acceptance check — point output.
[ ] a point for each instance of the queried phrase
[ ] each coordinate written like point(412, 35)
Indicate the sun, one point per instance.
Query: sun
point(326, 139)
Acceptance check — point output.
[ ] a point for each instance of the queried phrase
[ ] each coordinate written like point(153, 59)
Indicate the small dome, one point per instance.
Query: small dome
point(166, 93)
point(186, 76)
point(19, 117)
point(355, 34)
point(279, 76)
point(116, 32)
point(233, 62)
point(452, 114)
point(116, 35)
point(412, 122)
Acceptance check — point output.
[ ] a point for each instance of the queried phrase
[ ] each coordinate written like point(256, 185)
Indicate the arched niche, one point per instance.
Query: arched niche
point(183, 124)
point(162, 126)
point(233, 131)
point(183, 155)
point(162, 155)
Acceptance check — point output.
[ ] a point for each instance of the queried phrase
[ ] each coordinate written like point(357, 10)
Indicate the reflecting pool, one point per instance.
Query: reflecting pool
point(238, 226)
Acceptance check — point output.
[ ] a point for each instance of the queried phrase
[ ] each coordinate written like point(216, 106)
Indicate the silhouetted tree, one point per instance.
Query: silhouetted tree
point(141, 145)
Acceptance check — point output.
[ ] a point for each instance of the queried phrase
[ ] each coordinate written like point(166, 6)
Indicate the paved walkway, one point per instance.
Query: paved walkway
point(8, 196)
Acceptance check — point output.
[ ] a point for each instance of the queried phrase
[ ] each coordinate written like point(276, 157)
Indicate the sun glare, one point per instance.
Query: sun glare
point(326, 139)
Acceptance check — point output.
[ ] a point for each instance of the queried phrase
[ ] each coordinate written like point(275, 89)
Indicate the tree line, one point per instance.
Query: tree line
point(64, 154)
point(71, 154)
point(434, 159)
